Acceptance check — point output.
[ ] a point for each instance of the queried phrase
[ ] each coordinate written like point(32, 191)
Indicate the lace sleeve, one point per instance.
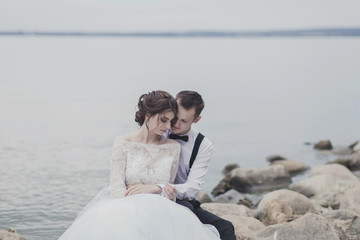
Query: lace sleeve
point(117, 171)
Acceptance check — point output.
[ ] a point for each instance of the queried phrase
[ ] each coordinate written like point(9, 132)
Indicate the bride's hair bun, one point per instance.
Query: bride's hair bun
point(153, 103)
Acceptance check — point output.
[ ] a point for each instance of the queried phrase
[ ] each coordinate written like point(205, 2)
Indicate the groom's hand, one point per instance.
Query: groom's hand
point(141, 188)
point(170, 191)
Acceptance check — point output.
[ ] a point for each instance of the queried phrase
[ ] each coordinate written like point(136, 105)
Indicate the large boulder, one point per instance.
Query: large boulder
point(298, 202)
point(318, 185)
point(351, 200)
point(309, 226)
point(221, 209)
point(346, 223)
point(323, 145)
point(292, 166)
point(336, 171)
point(245, 227)
point(327, 185)
point(10, 234)
point(259, 179)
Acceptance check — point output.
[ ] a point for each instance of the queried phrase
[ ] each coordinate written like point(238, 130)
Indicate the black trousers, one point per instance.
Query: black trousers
point(224, 227)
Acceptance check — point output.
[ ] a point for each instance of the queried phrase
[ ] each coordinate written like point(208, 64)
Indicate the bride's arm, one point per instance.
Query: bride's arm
point(159, 188)
point(117, 171)
point(168, 188)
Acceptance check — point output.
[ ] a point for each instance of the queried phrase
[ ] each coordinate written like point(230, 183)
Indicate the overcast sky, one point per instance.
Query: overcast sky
point(175, 15)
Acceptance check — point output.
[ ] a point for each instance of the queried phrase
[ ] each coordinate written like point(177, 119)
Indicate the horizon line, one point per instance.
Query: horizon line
point(306, 32)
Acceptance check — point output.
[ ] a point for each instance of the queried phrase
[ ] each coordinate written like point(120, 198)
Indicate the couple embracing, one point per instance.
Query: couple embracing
point(155, 176)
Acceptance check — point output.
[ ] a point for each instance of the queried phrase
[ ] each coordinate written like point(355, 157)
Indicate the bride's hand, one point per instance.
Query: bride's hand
point(141, 188)
point(170, 191)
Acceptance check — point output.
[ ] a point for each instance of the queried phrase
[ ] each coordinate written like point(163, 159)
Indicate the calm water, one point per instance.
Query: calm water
point(64, 100)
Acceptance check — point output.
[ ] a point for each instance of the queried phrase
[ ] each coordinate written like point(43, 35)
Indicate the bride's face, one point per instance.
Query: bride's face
point(160, 122)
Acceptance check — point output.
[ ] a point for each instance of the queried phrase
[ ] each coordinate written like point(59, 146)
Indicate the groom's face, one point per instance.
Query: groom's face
point(184, 119)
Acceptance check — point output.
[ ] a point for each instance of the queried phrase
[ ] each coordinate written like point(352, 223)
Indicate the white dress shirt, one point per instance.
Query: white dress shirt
point(188, 186)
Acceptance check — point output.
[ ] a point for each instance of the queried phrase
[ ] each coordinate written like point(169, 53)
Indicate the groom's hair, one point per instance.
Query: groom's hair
point(189, 99)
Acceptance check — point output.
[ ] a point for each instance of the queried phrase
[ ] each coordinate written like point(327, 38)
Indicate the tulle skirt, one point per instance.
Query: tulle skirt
point(141, 216)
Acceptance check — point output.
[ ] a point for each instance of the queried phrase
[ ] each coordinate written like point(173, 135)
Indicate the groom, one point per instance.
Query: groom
point(195, 156)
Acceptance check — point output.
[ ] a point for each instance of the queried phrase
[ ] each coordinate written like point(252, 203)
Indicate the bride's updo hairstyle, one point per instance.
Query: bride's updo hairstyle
point(153, 103)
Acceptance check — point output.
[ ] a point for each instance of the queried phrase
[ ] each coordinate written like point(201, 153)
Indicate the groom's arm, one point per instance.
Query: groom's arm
point(196, 177)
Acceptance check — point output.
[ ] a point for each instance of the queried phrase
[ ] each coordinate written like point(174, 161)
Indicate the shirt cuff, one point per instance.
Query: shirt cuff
point(163, 193)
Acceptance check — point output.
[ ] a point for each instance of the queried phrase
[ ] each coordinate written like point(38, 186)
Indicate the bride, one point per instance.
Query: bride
point(137, 207)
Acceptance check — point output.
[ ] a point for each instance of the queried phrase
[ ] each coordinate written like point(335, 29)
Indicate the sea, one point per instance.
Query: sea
point(64, 99)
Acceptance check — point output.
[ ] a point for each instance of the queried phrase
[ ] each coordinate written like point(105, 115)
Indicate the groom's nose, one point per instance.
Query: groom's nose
point(176, 123)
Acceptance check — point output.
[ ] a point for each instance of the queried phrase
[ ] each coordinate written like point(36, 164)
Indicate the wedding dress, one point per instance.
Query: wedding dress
point(140, 216)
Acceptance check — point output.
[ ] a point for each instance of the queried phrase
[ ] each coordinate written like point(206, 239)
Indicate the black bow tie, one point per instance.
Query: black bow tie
point(175, 136)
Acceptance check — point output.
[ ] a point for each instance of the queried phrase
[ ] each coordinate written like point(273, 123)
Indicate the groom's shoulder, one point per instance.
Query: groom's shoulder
point(206, 143)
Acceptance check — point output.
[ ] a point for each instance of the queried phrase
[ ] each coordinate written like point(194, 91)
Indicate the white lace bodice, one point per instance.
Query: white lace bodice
point(133, 163)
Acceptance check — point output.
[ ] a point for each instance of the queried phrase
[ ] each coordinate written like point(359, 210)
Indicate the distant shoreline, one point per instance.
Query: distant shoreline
point(332, 32)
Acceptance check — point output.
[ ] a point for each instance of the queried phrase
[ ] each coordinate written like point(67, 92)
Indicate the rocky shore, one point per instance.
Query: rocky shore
point(325, 205)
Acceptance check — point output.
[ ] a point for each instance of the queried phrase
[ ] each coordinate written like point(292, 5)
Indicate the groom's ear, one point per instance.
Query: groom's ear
point(197, 119)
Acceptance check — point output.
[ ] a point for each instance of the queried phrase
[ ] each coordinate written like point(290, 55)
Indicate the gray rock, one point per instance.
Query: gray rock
point(246, 202)
point(222, 187)
point(228, 168)
point(292, 166)
point(298, 202)
point(323, 145)
point(357, 174)
point(356, 148)
point(231, 196)
point(259, 179)
point(342, 161)
point(352, 162)
point(355, 161)
point(346, 223)
point(327, 200)
point(342, 151)
point(203, 197)
point(10, 234)
point(273, 158)
point(355, 145)
point(309, 226)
